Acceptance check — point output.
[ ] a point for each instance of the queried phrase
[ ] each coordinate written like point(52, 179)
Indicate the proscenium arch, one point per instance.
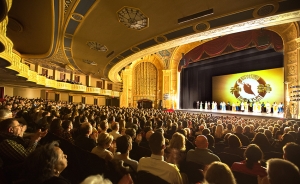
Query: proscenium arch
point(289, 33)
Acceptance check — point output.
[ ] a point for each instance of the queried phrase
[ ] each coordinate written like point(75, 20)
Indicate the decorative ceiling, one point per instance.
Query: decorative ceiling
point(100, 37)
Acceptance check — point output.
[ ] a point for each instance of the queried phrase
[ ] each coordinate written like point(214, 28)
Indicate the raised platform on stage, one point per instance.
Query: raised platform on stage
point(235, 113)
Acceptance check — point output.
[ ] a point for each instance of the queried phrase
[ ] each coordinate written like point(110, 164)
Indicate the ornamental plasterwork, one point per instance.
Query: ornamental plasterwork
point(165, 56)
point(292, 80)
point(291, 57)
point(57, 61)
point(67, 5)
point(96, 46)
point(244, 26)
point(292, 69)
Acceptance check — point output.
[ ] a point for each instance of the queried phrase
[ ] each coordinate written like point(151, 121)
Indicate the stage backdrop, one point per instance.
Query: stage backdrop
point(264, 86)
point(196, 78)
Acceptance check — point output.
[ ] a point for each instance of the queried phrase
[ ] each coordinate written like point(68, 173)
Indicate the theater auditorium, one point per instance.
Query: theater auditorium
point(149, 92)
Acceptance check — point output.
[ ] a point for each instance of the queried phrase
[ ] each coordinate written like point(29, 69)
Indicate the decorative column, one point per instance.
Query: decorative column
point(88, 80)
point(167, 90)
point(126, 96)
point(38, 69)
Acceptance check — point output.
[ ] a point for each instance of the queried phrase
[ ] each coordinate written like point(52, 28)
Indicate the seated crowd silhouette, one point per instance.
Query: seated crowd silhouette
point(43, 141)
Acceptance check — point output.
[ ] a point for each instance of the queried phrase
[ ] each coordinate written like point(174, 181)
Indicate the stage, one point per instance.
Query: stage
point(235, 113)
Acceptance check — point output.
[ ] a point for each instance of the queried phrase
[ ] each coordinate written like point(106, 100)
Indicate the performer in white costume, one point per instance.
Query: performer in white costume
point(205, 106)
point(215, 106)
point(201, 105)
point(242, 106)
point(268, 107)
point(246, 107)
point(223, 106)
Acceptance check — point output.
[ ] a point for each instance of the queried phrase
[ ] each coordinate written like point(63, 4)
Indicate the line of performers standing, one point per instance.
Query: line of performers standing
point(256, 107)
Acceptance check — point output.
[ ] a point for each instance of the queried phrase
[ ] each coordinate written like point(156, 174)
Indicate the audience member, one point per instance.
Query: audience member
point(45, 164)
point(251, 165)
point(156, 164)
point(201, 154)
point(218, 173)
point(104, 142)
point(83, 140)
point(282, 171)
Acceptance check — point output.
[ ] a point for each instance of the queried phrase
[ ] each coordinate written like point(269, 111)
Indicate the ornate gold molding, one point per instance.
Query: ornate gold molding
point(244, 26)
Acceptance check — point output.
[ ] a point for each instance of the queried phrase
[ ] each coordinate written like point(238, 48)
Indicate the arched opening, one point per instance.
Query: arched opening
point(145, 104)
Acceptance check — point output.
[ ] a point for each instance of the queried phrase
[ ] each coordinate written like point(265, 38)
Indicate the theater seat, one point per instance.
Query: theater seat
point(144, 177)
point(193, 171)
point(242, 178)
point(272, 154)
point(228, 158)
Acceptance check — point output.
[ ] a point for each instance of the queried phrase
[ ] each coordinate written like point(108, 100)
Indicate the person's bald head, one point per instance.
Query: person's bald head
point(201, 142)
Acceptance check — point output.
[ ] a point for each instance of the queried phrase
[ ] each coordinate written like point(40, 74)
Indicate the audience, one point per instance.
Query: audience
point(180, 130)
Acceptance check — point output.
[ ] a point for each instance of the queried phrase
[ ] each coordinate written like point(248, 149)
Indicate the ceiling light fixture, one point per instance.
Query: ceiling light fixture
point(133, 18)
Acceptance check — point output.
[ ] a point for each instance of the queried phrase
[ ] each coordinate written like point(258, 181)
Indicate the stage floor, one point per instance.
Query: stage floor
point(235, 113)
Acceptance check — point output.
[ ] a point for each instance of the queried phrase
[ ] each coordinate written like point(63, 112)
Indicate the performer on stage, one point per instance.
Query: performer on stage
point(275, 108)
point(242, 106)
point(198, 105)
point(263, 107)
point(268, 107)
point(208, 106)
point(201, 105)
point(250, 106)
point(255, 107)
point(212, 105)
point(237, 106)
point(223, 106)
point(280, 107)
point(259, 109)
point(233, 107)
point(216, 106)
point(246, 106)
point(205, 106)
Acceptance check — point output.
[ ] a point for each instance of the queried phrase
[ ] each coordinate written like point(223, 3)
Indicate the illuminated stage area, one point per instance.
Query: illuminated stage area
point(235, 113)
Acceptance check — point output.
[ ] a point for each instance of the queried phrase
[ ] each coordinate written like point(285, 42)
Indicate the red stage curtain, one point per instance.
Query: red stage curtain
point(238, 41)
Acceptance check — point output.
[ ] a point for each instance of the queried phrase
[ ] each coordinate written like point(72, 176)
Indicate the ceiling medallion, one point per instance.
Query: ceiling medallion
point(89, 62)
point(203, 26)
point(135, 49)
point(161, 39)
point(97, 46)
point(266, 10)
point(77, 17)
point(133, 18)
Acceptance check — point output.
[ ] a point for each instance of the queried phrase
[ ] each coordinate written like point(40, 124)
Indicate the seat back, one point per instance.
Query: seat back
point(242, 178)
point(272, 154)
point(144, 177)
point(193, 171)
point(229, 159)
